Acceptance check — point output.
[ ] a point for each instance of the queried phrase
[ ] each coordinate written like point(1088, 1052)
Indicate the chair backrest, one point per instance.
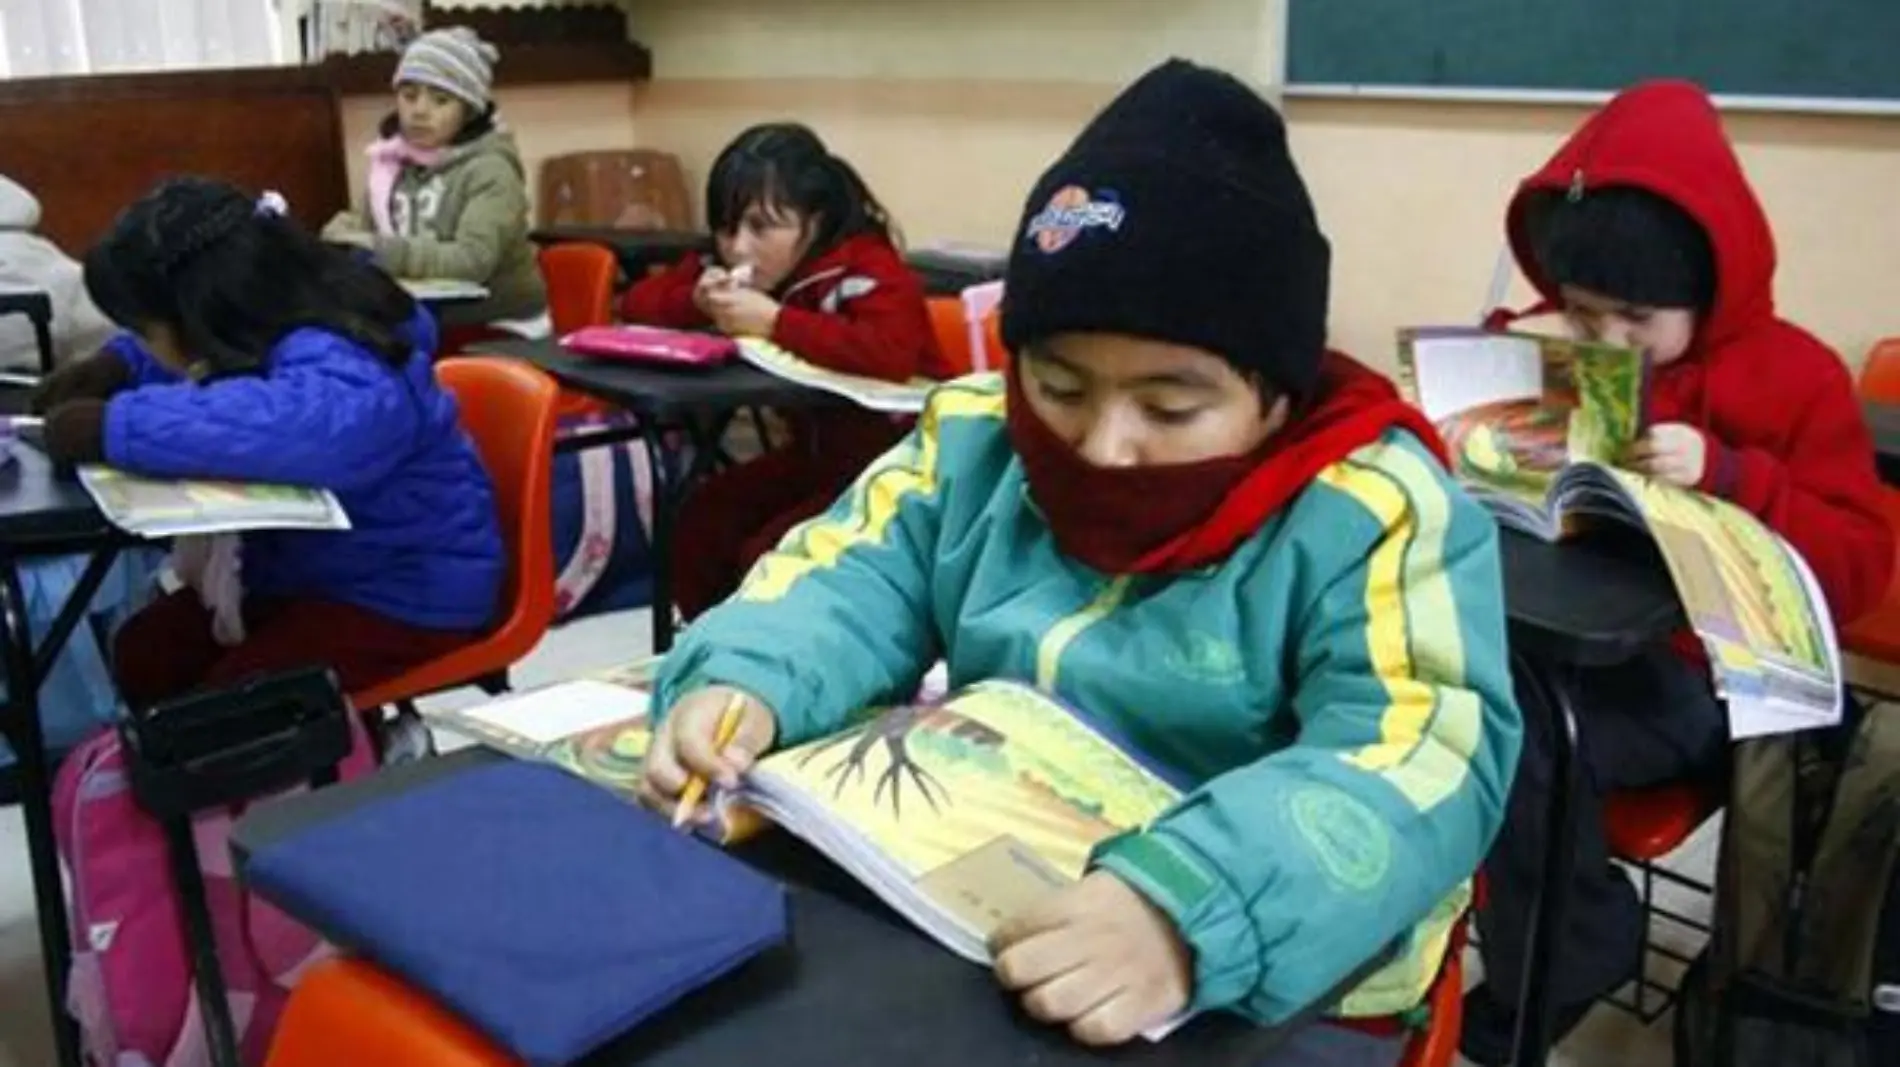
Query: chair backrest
point(983, 321)
point(953, 336)
point(1437, 1044)
point(507, 407)
point(580, 279)
point(632, 189)
point(1880, 375)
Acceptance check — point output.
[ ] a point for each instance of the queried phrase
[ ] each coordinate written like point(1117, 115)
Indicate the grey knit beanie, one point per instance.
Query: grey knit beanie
point(455, 60)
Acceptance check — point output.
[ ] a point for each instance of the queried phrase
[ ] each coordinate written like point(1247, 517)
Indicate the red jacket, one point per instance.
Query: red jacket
point(857, 308)
point(1785, 434)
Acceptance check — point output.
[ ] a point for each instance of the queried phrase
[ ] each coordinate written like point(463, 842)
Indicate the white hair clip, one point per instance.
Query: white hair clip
point(273, 203)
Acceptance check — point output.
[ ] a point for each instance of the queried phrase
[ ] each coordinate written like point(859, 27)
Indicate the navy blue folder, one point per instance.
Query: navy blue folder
point(547, 913)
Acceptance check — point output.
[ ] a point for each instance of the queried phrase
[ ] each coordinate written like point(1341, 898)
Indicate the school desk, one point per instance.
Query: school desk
point(1883, 421)
point(858, 985)
point(37, 306)
point(1571, 607)
point(696, 404)
point(44, 515)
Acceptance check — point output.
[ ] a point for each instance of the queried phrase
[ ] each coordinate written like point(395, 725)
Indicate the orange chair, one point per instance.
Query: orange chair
point(346, 1011)
point(1437, 1044)
point(1875, 637)
point(1642, 826)
point(508, 408)
point(1880, 375)
point(580, 281)
point(953, 334)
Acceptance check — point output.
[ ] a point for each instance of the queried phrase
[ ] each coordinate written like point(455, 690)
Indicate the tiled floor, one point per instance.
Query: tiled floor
point(1607, 1039)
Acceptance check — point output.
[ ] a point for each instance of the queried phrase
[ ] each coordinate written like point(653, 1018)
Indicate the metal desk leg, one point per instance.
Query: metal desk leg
point(669, 489)
point(670, 486)
point(1534, 1005)
point(22, 728)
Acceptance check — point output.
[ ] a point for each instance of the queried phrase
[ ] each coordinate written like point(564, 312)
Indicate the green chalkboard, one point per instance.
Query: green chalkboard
point(1786, 48)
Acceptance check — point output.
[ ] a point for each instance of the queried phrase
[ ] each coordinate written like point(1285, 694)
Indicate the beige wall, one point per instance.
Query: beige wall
point(951, 107)
point(1413, 196)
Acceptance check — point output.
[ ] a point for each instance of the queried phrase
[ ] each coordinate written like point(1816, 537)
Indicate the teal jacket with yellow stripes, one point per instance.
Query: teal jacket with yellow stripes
point(1339, 687)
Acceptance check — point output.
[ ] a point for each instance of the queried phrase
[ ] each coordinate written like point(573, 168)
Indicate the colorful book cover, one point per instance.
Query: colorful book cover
point(897, 398)
point(155, 508)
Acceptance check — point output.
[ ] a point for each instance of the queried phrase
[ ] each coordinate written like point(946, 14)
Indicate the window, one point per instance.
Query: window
point(66, 37)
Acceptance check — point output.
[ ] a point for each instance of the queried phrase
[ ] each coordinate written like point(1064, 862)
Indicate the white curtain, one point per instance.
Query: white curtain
point(64, 37)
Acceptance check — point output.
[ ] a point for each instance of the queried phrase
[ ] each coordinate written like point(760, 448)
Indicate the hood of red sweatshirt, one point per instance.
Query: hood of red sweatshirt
point(1665, 137)
point(1785, 436)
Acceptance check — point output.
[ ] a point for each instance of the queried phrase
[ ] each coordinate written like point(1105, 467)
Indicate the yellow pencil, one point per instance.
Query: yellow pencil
point(695, 790)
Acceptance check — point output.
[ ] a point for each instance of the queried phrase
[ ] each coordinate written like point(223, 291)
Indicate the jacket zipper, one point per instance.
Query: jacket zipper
point(1059, 637)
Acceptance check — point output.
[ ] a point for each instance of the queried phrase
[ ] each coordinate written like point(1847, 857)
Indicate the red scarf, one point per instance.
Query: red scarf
point(1173, 518)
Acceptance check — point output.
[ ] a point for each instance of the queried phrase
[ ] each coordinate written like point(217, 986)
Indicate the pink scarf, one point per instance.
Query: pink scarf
point(387, 158)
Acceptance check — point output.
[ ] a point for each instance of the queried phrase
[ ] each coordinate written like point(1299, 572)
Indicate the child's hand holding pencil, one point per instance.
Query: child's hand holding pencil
point(711, 736)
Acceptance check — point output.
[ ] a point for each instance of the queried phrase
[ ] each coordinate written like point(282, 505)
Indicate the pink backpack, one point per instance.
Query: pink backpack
point(651, 344)
point(131, 986)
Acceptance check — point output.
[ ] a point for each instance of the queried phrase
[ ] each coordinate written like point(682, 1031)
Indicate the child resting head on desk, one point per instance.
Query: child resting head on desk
point(1644, 232)
point(806, 257)
point(448, 195)
point(256, 353)
point(1182, 513)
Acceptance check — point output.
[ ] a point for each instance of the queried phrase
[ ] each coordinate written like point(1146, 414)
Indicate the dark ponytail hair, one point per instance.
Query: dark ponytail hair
point(231, 277)
point(785, 167)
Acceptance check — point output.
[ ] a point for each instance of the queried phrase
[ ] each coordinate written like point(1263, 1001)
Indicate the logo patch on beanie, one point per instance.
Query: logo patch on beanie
point(1072, 210)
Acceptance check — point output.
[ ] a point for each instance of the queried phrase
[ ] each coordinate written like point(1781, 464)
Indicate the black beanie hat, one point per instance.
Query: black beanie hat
point(1178, 215)
point(1626, 243)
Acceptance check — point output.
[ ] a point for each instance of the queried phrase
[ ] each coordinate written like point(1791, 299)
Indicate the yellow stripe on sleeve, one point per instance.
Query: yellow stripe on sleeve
point(872, 502)
point(1432, 721)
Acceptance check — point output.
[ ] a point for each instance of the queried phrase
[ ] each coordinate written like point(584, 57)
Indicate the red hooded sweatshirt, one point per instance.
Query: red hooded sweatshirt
point(857, 308)
point(1786, 439)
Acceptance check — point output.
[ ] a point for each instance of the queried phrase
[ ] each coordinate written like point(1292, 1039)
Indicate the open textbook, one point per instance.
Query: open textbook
point(958, 813)
point(1536, 428)
point(897, 398)
point(156, 508)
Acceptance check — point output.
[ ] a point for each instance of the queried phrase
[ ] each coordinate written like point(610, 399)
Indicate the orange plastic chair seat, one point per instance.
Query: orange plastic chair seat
point(1644, 824)
point(348, 1012)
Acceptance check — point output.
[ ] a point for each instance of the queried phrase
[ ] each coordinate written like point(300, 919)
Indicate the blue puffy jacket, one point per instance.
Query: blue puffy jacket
point(424, 546)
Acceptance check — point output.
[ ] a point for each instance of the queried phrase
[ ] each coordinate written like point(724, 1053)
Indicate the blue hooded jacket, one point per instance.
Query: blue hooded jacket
point(424, 546)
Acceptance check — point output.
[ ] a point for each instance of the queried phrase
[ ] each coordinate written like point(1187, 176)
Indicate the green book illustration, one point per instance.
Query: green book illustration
point(1538, 430)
